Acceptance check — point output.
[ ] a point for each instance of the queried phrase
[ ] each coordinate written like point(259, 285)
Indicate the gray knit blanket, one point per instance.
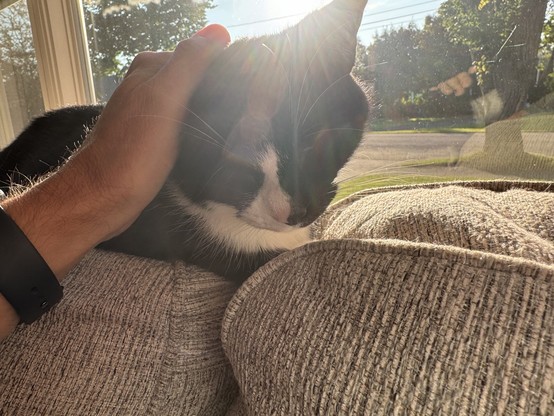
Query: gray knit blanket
point(421, 300)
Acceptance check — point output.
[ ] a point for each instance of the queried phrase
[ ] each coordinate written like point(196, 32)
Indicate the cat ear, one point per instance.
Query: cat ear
point(324, 43)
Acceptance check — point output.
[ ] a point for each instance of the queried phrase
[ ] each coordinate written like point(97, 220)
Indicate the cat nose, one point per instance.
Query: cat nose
point(297, 215)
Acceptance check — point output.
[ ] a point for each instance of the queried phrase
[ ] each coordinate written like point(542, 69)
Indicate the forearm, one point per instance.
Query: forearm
point(123, 164)
point(59, 216)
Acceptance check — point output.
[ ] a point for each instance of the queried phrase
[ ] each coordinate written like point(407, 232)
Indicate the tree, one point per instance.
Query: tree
point(19, 65)
point(406, 62)
point(117, 30)
point(503, 38)
point(361, 66)
point(545, 82)
point(439, 57)
point(392, 65)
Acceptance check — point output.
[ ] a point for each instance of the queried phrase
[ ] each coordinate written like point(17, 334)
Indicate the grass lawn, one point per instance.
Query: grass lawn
point(447, 130)
point(523, 165)
point(530, 123)
point(351, 186)
point(424, 125)
point(538, 123)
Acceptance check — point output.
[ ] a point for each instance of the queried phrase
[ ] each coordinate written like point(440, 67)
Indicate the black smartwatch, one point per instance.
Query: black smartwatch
point(26, 281)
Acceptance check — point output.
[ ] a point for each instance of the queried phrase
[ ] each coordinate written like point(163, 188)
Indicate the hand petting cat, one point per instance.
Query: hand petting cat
point(123, 163)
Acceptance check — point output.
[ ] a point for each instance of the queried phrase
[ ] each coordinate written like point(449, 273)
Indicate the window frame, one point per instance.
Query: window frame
point(60, 40)
point(65, 73)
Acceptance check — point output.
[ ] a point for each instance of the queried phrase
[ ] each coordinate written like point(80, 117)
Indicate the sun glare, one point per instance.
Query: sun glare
point(291, 7)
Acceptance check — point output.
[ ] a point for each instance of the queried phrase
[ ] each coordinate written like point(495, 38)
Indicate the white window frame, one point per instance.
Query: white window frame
point(6, 127)
point(60, 42)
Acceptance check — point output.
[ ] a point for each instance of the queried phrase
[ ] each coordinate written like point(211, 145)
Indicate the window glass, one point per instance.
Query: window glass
point(117, 31)
point(460, 89)
point(20, 94)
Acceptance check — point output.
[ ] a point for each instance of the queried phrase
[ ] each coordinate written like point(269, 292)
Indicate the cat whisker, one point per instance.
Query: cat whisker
point(285, 72)
point(212, 177)
point(312, 60)
point(204, 122)
point(189, 111)
point(206, 138)
point(211, 140)
point(385, 169)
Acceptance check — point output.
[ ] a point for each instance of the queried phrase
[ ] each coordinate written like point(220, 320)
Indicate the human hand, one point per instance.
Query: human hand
point(125, 160)
point(458, 84)
point(121, 166)
point(134, 144)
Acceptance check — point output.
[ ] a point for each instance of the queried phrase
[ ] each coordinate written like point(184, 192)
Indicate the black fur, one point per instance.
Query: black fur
point(297, 83)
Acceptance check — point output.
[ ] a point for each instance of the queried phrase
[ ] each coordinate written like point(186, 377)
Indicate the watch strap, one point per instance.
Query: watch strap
point(26, 281)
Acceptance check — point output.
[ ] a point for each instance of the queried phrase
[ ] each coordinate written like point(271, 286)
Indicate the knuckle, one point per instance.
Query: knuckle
point(187, 50)
point(143, 57)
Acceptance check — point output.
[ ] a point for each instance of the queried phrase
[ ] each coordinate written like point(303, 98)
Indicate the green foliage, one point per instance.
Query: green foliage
point(392, 64)
point(482, 29)
point(361, 66)
point(483, 3)
point(386, 179)
point(406, 63)
point(18, 63)
point(118, 30)
point(545, 84)
point(499, 38)
point(488, 29)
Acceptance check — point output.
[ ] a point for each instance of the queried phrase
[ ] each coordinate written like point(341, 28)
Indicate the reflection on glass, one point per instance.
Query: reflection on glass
point(460, 89)
point(468, 93)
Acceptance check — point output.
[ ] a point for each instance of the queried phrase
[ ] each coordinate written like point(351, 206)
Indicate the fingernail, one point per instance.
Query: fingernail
point(216, 33)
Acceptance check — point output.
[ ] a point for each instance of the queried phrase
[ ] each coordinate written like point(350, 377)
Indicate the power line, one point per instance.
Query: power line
point(397, 17)
point(266, 20)
point(366, 15)
point(401, 8)
point(384, 26)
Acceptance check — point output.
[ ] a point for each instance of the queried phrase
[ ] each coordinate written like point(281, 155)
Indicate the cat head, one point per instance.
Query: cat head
point(274, 120)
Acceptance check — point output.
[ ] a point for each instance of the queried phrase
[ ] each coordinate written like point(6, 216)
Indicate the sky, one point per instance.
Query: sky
point(239, 15)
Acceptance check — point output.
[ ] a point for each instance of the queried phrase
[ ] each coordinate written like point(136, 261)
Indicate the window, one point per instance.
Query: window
point(461, 89)
point(413, 56)
point(47, 43)
point(117, 31)
point(20, 92)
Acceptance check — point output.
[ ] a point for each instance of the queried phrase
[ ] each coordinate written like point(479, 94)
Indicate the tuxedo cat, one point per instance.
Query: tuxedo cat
point(273, 121)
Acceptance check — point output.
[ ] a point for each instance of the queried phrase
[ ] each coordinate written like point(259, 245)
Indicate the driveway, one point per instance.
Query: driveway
point(401, 154)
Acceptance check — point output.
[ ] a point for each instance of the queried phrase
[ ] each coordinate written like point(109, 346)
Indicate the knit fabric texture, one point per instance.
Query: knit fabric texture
point(132, 336)
point(417, 301)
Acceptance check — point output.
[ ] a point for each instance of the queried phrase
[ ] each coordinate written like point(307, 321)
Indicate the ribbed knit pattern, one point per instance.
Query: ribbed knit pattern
point(390, 327)
point(447, 310)
point(131, 337)
point(499, 217)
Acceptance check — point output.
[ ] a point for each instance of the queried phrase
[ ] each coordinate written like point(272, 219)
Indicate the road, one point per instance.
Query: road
point(397, 154)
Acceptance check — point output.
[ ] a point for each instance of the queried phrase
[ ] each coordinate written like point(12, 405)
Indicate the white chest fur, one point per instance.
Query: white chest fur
point(223, 224)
